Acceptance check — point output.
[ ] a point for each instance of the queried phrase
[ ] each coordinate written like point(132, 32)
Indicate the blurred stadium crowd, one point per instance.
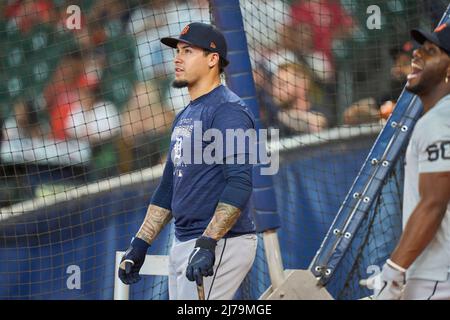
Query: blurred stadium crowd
point(81, 105)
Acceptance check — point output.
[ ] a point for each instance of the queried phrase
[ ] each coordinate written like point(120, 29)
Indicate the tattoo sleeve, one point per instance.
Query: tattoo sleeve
point(154, 222)
point(223, 220)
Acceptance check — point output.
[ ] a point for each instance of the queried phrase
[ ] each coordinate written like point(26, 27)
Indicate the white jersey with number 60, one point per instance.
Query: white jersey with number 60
point(429, 151)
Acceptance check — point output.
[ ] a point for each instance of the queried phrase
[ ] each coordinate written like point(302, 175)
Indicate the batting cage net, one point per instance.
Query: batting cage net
point(86, 108)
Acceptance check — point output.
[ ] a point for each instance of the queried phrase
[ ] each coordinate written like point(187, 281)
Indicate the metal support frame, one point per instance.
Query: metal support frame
point(153, 265)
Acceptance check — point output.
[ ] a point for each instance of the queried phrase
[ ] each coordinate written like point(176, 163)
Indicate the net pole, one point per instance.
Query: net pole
point(121, 290)
point(273, 256)
point(228, 18)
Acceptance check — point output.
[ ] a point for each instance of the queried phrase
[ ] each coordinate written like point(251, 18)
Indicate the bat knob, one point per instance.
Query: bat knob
point(126, 265)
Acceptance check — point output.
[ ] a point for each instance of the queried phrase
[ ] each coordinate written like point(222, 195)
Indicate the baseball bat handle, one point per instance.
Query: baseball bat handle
point(201, 291)
point(126, 265)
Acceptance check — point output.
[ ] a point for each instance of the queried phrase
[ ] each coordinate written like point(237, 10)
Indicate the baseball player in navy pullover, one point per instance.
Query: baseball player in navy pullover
point(209, 201)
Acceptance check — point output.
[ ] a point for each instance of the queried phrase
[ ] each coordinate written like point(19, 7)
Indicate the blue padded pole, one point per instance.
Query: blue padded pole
point(367, 185)
point(228, 18)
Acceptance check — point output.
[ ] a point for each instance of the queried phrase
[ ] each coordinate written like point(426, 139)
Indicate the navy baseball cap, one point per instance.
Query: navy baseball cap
point(440, 36)
point(201, 35)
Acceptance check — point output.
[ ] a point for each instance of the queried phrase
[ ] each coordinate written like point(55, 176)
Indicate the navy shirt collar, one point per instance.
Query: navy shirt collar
point(211, 94)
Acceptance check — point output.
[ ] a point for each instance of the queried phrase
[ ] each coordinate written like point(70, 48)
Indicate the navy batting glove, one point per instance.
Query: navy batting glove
point(132, 261)
point(201, 260)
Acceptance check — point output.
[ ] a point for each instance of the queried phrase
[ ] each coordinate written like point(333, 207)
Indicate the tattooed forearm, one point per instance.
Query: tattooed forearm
point(154, 222)
point(223, 220)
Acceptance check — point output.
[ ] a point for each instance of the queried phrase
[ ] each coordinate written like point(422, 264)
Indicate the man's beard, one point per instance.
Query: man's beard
point(417, 89)
point(178, 84)
point(428, 81)
point(421, 88)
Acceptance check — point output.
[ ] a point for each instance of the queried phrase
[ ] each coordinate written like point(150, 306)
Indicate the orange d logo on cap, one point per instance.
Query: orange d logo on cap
point(185, 30)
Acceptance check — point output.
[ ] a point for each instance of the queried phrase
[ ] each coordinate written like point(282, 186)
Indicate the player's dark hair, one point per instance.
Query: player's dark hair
point(221, 61)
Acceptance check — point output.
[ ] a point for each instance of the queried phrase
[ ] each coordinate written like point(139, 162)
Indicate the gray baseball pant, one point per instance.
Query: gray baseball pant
point(416, 289)
point(234, 258)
